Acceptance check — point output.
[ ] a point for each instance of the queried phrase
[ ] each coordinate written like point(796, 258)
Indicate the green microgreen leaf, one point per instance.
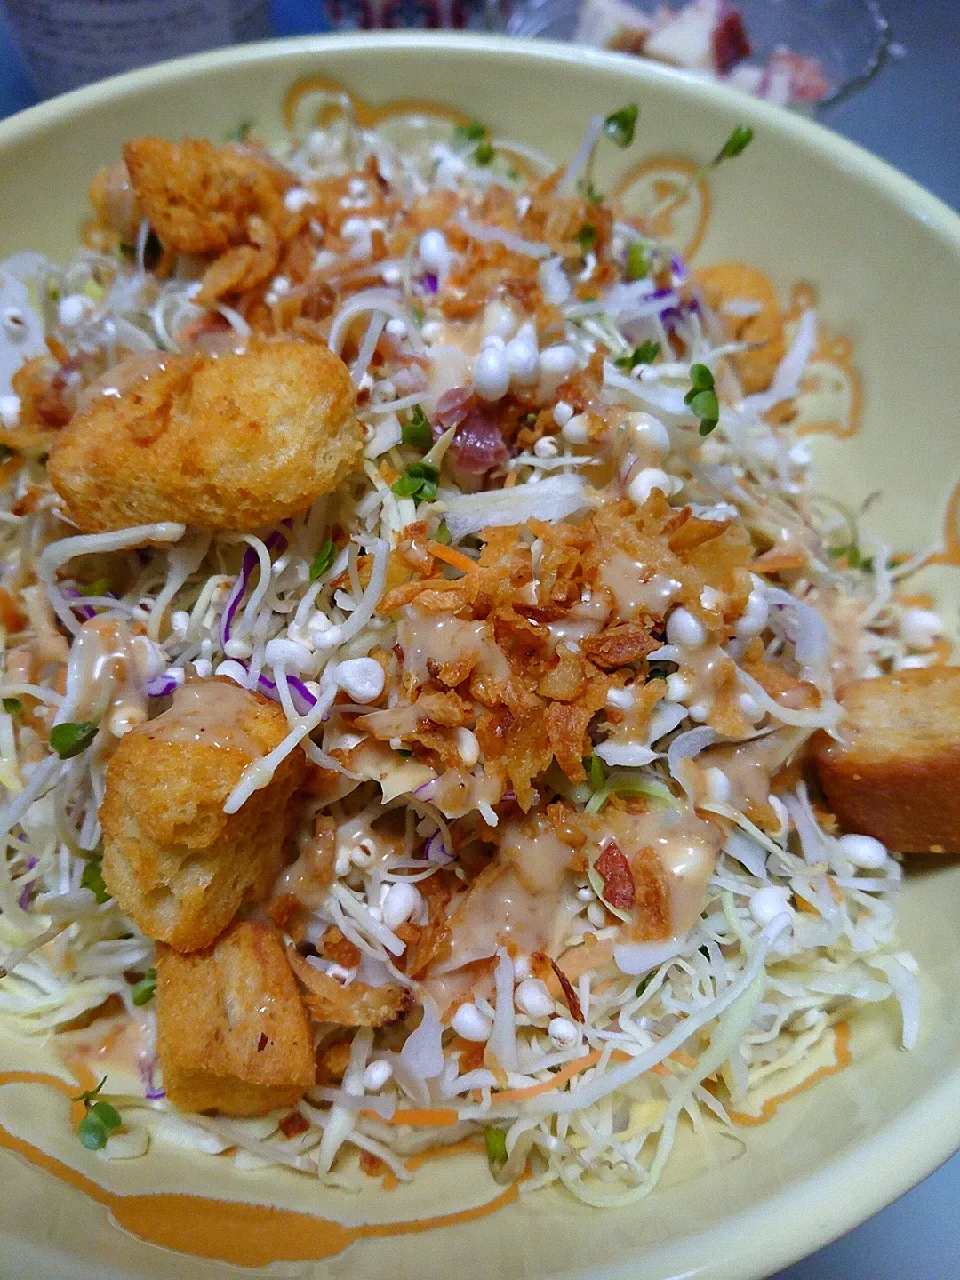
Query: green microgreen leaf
point(740, 138)
point(704, 405)
point(322, 560)
point(586, 237)
point(97, 1125)
point(639, 260)
point(701, 379)
point(93, 880)
point(472, 132)
point(418, 482)
point(143, 990)
point(483, 154)
point(68, 740)
point(646, 353)
point(496, 1143)
point(595, 771)
point(621, 126)
point(853, 555)
point(12, 706)
point(702, 398)
point(99, 587)
point(100, 1119)
point(417, 432)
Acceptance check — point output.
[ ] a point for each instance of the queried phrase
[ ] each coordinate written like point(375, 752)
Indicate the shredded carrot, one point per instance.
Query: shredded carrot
point(451, 556)
point(436, 1117)
point(684, 1059)
point(439, 1153)
point(843, 1059)
point(562, 1076)
point(779, 562)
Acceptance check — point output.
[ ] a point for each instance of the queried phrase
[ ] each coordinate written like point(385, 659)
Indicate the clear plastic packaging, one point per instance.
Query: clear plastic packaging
point(67, 43)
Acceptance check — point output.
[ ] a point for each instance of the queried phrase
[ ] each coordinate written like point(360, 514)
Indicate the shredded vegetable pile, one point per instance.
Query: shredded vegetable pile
point(545, 656)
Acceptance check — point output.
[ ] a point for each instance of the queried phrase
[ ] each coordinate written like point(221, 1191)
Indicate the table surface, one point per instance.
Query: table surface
point(909, 115)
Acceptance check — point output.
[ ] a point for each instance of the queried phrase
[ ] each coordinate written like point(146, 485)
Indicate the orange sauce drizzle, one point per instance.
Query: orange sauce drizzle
point(836, 351)
point(247, 1235)
point(368, 116)
point(671, 187)
point(843, 1059)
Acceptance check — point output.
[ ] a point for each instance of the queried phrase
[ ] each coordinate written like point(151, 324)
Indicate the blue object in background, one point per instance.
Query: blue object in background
point(909, 115)
point(298, 17)
point(16, 86)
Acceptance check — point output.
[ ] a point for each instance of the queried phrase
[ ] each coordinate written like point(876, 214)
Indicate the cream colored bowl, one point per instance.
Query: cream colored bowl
point(884, 258)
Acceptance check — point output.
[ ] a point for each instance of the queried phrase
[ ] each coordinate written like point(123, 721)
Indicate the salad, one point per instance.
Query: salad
point(417, 610)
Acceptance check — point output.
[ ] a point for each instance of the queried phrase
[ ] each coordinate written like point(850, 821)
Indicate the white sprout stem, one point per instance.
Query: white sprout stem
point(56, 554)
point(603, 1083)
point(259, 772)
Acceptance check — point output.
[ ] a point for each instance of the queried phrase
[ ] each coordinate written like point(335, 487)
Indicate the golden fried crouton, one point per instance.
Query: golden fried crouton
point(236, 442)
point(232, 1032)
point(175, 862)
point(895, 773)
point(354, 1005)
point(198, 197)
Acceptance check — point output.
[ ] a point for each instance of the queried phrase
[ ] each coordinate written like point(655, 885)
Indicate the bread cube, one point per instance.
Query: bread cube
point(178, 865)
point(895, 773)
point(232, 1032)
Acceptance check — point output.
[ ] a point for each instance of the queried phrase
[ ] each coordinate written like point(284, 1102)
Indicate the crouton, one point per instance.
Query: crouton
point(895, 773)
point(198, 197)
point(354, 1005)
point(175, 862)
point(237, 441)
point(232, 1032)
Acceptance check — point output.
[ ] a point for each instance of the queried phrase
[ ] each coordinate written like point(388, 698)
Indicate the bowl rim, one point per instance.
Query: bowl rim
point(890, 1161)
point(855, 160)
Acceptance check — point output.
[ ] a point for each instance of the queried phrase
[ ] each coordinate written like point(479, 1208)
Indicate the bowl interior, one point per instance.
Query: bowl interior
point(884, 259)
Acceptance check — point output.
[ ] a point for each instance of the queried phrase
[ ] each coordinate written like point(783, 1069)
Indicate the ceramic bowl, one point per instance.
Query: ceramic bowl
point(882, 257)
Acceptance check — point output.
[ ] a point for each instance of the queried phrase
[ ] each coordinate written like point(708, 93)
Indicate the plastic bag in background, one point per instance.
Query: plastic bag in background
point(67, 43)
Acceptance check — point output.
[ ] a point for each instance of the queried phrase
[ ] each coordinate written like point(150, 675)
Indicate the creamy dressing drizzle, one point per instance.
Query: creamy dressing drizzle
point(500, 910)
point(747, 766)
point(107, 675)
point(212, 712)
point(633, 588)
point(439, 638)
point(526, 898)
point(686, 847)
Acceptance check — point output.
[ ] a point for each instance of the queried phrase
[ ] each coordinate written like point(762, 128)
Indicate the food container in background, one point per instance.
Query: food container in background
point(67, 43)
point(797, 53)
point(473, 15)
